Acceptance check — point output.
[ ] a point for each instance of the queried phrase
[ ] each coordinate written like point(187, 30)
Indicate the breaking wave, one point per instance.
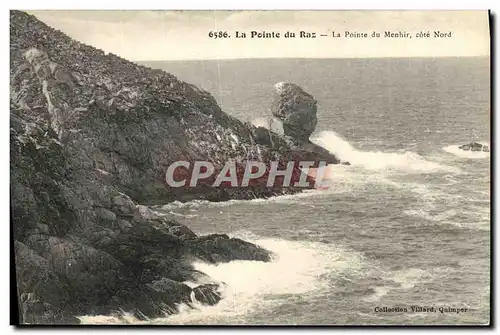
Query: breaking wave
point(299, 267)
point(305, 268)
point(376, 160)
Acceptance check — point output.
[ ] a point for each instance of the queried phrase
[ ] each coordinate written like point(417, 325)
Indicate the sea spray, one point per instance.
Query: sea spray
point(299, 268)
point(408, 161)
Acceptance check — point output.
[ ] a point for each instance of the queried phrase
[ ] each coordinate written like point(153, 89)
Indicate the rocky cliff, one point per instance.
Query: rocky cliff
point(91, 138)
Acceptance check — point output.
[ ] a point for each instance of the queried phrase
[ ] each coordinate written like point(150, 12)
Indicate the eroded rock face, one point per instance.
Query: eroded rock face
point(91, 138)
point(208, 294)
point(82, 133)
point(297, 109)
point(130, 123)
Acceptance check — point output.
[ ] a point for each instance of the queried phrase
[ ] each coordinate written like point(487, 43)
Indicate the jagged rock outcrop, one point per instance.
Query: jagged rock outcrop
point(91, 138)
point(208, 294)
point(130, 122)
point(297, 109)
point(474, 146)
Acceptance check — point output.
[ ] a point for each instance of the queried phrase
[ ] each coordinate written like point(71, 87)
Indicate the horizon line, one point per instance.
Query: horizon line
point(316, 58)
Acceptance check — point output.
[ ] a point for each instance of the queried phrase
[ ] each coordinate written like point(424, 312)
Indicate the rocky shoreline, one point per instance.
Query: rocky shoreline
point(91, 136)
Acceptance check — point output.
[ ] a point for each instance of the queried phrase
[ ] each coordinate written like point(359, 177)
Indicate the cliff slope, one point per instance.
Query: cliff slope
point(91, 137)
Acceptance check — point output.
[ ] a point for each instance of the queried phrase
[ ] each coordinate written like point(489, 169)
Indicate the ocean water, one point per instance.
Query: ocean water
point(408, 223)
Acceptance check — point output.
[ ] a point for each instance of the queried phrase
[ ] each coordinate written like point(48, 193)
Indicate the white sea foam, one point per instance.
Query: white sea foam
point(188, 216)
point(376, 160)
point(366, 169)
point(286, 198)
point(454, 150)
point(299, 268)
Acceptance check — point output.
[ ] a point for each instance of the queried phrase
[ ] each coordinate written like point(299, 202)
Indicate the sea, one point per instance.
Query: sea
point(407, 224)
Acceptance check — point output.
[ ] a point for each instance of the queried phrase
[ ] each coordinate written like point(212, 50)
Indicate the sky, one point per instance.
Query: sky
point(184, 35)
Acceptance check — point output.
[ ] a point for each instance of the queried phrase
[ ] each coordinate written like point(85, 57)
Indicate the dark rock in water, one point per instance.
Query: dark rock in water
point(220, 248)
point(297, 110)
point(207, 294)
point(474, 146)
